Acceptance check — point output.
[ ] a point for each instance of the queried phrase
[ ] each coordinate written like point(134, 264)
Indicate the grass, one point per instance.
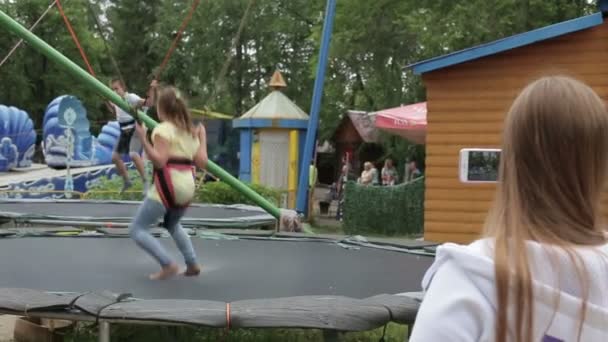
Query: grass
point(321, 227)
point(86, 332)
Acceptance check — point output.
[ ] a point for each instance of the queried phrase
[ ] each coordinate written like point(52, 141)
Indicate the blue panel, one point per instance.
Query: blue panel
point(270, 123)
point(509, 43)
point(302, 143)
point(315, 107)
point(245, 156)
point(82, 182)
point(17, 138)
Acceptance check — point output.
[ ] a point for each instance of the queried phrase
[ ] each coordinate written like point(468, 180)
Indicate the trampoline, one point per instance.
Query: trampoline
point(120, 213)
point(248, 281)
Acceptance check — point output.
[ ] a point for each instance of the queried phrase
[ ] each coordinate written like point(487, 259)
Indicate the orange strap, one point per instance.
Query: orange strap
point(176, 40)
point(75, 38)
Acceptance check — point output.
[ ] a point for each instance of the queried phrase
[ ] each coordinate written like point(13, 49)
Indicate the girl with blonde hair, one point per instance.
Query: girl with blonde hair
point(177, 148)
point(541, 271)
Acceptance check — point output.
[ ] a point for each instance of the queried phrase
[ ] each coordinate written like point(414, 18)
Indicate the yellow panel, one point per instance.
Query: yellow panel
point(293, 168)
point(255, 162)
point(461, 206)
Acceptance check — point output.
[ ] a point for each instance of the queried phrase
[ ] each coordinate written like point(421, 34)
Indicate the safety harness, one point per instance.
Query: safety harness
point(164, 183)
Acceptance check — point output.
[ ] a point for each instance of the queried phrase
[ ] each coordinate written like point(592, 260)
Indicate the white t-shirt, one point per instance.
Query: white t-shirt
point(121, 115)
point(459, 303)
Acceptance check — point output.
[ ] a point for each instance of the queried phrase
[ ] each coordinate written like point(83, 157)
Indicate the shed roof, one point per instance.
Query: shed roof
point(275, 106)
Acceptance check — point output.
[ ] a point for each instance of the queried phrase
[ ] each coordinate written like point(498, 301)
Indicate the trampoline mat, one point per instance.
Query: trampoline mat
point(232, 269)
point(123, 211)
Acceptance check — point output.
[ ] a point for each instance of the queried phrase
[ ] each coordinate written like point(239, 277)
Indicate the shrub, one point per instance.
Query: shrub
point(109, 189)
point(222, 193)
point(384, 210)
point(211, 192)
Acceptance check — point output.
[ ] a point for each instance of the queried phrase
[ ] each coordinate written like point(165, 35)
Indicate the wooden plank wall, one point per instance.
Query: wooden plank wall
point(466, 108)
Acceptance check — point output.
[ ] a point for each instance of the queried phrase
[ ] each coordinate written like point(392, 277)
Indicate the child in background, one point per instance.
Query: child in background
point(127, 142)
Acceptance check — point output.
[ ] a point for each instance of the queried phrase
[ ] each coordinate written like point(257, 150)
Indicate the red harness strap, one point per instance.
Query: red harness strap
point(164, 183)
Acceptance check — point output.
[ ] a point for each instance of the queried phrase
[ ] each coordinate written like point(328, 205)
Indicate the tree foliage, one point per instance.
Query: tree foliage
point(372, 43)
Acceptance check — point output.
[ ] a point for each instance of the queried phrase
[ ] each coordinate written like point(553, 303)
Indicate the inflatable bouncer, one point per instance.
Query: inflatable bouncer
point(66, 130)
point(17, 139)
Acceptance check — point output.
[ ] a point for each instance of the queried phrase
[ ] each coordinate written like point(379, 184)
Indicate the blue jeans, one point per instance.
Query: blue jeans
point(149, 214)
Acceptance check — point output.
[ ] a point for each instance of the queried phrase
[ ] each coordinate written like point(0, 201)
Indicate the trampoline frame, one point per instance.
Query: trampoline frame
point(331, 314)
point(410, 302)
point(257, 218)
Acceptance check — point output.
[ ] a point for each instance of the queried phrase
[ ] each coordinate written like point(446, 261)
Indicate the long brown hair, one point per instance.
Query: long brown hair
point(174, 108)
point(553, 165)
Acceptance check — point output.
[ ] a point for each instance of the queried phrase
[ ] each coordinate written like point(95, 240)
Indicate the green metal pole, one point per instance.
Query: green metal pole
point(84, 77)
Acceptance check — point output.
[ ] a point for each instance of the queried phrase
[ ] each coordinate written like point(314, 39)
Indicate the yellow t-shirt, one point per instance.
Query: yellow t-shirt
point(181, 145)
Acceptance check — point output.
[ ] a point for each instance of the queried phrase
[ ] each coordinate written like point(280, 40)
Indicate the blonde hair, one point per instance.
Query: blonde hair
point(174, 108)
point(552, 170)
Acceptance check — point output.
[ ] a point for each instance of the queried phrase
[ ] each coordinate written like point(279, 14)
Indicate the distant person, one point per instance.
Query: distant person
point(413, 171)
point(367, 175)
point(375, 175)
point(312, 183)
point(540, 271)
point(128, 143)
point(341, 186)
point(389, 173)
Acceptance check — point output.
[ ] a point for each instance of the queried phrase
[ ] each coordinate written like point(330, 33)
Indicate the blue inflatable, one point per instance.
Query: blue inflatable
point(17, 139)
point(67, 114)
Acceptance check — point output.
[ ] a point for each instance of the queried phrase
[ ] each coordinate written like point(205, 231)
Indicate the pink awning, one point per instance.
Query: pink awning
point(406, 121)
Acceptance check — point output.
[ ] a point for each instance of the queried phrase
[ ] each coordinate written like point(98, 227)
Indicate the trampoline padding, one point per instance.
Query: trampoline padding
point(25, 300)
point(402, 309)
point(312, 312)
point(319, 312)
point(94, 303)
point(197, 312)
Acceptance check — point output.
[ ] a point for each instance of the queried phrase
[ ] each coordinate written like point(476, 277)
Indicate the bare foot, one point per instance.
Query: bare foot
point(192, 270)
point(165, 272)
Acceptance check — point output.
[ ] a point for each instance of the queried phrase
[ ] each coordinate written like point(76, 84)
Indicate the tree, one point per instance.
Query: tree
point(30, 80)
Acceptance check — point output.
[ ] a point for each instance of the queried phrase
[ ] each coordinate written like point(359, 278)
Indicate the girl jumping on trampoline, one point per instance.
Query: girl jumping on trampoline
point(177, 147)
point(541, 272)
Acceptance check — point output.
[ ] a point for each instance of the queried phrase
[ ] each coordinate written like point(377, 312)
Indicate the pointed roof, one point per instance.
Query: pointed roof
point(277, 81)
point(276, 105)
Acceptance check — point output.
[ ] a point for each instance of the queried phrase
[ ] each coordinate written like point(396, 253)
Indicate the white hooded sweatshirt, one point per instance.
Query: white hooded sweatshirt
point(460, 296)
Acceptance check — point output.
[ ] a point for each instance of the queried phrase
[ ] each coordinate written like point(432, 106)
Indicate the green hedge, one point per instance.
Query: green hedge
point(109, 189)
point(222, 193)
point(211, 192)
point(384, 210)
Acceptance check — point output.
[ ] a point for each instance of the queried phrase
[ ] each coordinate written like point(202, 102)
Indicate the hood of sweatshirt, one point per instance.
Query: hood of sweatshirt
point(557, 287)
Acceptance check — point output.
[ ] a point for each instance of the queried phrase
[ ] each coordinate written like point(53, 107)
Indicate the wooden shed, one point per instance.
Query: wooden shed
point(469, 93)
